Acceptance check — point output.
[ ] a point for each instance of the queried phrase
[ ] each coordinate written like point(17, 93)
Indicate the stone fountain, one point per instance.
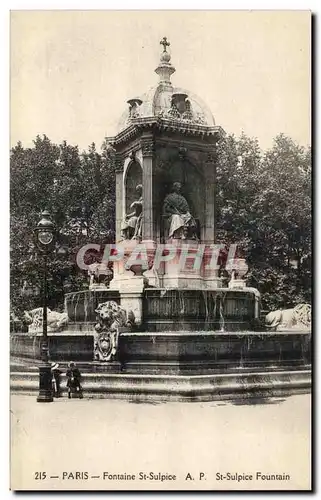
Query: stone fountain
point(168, 325)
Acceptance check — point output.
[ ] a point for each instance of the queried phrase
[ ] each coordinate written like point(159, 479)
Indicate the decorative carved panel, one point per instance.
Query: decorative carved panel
point(147, 147)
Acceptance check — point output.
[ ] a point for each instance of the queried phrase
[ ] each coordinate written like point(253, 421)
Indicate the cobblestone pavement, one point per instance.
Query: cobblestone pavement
point(93, 437)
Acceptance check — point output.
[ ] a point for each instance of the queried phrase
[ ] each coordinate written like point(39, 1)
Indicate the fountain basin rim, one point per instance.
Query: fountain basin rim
point(153, 288)
point(179, 333)
point(217, 333)
point(219, 289)
point(140, 376)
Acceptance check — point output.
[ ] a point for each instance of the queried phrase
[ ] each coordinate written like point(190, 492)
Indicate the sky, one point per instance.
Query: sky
point(73, 71)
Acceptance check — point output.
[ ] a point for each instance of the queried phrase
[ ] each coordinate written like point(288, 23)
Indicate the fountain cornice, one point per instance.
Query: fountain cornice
point(182, 127)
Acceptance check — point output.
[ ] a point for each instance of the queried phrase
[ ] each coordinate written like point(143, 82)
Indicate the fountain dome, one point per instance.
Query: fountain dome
point(164, 101)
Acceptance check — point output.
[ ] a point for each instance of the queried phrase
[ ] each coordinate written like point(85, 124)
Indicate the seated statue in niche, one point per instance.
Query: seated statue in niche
point(182, 224)
point(131, 228)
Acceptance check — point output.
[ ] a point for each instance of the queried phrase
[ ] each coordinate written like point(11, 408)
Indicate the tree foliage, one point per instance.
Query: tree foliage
point(263, 205)
point(78, 190)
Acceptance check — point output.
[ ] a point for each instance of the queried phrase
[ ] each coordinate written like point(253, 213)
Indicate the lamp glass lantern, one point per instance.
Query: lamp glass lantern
point(45, 235)
point(45, 230)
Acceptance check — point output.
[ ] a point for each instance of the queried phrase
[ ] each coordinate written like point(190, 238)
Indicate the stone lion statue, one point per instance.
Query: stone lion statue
point(56, 321)
point(297, 318)
point(111, 317)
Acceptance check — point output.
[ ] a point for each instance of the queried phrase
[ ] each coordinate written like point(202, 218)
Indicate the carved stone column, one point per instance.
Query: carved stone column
point(211, 279)
point(208, 236)
point(119, 195)
point(147, 147)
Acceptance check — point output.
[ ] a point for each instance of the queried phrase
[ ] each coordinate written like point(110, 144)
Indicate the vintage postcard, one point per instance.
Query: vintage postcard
point(160, 220)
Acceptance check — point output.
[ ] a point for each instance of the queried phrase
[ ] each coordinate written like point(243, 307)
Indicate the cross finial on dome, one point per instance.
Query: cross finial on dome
point(165, 69)
point(165, 43)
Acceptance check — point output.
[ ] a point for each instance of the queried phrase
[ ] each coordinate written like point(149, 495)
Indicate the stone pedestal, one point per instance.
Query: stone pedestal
point(237, 268)
point(132, 274)
point(184, 269)
point(237, 283)
point(210, 268)
point(122, 274)
point(137, 260)
point(131, 297)
point(121, 277)
point(193, 266)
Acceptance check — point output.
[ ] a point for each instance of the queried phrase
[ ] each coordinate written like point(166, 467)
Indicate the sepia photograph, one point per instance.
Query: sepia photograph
point(160, 250)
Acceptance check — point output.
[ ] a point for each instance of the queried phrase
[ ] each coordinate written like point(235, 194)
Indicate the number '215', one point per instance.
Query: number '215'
point(40, 476)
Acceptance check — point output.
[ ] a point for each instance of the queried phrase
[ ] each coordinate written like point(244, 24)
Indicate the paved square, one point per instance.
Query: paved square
point(97, 436)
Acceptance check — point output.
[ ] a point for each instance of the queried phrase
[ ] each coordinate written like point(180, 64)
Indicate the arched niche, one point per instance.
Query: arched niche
point(133, 177)
point(193, 186)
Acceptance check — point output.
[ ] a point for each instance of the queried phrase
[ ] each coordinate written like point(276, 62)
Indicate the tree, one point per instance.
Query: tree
point(283, 208)
point(78, 190)
point(264, 205)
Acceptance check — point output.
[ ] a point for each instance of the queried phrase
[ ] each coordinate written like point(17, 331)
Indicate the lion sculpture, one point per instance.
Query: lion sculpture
point(55, 321)
point(111, 317)
point(297, 318)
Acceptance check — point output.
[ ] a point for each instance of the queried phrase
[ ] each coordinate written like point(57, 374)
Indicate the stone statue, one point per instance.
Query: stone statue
point(187, 115)
point(55, 321)
point(237, 268)
point(297, 318)
point(131, 227)
point(111, 317)
point(133, 111)
point(134, 105)
point(95, 271)
point(173, 112)
point(182, 224)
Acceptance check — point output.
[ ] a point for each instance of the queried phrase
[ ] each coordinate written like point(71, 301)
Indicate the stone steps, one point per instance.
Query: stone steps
point(210, 387)
point(158, 367)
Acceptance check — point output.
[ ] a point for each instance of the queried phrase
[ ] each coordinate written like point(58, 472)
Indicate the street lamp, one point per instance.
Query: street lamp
point(45, 235)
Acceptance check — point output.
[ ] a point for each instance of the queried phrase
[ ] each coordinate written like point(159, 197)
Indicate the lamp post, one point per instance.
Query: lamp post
point(45, 232)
